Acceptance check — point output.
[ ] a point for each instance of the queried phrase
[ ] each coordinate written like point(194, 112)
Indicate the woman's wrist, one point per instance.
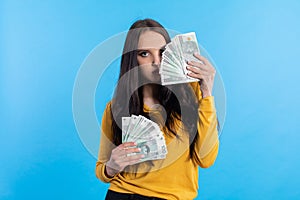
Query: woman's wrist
point(206, 94)
point(109, 172)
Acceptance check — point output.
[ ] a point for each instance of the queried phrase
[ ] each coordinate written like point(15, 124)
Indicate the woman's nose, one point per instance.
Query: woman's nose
point(157, 59)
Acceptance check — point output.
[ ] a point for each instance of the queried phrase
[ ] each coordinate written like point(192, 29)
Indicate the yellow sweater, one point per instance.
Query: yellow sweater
point(176, 176)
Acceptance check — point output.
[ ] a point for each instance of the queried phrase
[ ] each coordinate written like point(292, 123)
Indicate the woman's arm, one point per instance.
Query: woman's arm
point(207, 144)
point(113, 159)
point(106, 145)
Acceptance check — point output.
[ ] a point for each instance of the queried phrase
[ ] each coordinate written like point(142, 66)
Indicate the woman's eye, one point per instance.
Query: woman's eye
point(144, 53)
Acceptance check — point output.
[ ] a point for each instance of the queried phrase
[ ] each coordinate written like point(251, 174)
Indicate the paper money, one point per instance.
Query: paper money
point(146, 134)
point(125, 124)
point(174, 59)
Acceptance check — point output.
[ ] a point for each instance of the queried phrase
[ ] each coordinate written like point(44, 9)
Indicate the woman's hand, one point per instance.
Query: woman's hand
point(203, 71)
point(122, 156)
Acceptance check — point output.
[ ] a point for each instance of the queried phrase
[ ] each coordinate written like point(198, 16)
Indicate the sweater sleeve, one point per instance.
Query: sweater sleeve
point(106, 145)
point(207, 144)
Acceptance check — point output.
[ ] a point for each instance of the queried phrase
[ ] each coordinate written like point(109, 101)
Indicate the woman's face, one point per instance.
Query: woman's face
point(149, 55)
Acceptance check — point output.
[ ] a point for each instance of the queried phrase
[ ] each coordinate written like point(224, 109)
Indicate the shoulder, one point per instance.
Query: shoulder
point(108, 106)
point(106, 122)
point(107, 111)
point(194, 85)
point(196, 88)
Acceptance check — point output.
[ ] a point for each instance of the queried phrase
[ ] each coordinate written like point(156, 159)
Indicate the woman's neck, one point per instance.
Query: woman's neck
point(150, 94)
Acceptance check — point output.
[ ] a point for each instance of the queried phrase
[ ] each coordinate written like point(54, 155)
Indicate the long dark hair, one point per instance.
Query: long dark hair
point(128, 97)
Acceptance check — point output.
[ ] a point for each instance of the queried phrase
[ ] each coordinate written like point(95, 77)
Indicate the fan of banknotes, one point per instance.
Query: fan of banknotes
point(174, 59)
point(147, 135)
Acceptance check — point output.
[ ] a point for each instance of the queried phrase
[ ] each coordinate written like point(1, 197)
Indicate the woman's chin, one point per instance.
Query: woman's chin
point(152, 79)
point(156, 79)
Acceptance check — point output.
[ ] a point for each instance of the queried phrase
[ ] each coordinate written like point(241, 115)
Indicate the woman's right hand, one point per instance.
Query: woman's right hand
point(122, 156)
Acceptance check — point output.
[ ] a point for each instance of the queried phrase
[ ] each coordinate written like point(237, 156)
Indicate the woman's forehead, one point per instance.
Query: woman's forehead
point(151, 39)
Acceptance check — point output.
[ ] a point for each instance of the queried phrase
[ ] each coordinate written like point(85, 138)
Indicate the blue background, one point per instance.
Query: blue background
point(255, 45)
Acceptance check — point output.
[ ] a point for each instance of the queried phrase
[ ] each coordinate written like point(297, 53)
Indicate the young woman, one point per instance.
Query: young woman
point(185, 113)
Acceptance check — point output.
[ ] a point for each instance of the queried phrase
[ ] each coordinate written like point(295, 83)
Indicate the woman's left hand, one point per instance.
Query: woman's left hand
point(203, 71)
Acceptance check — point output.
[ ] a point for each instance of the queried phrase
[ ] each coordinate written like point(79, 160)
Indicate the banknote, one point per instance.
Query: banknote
point(125, 124)
point(146, 134)
point(169, 79)
point(174, 59)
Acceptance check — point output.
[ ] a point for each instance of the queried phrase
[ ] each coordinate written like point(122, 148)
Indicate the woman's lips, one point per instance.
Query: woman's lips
point(156, 72)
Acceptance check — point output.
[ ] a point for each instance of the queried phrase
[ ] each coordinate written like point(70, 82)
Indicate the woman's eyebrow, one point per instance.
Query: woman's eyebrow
point(147, 49)
point(142, 49)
